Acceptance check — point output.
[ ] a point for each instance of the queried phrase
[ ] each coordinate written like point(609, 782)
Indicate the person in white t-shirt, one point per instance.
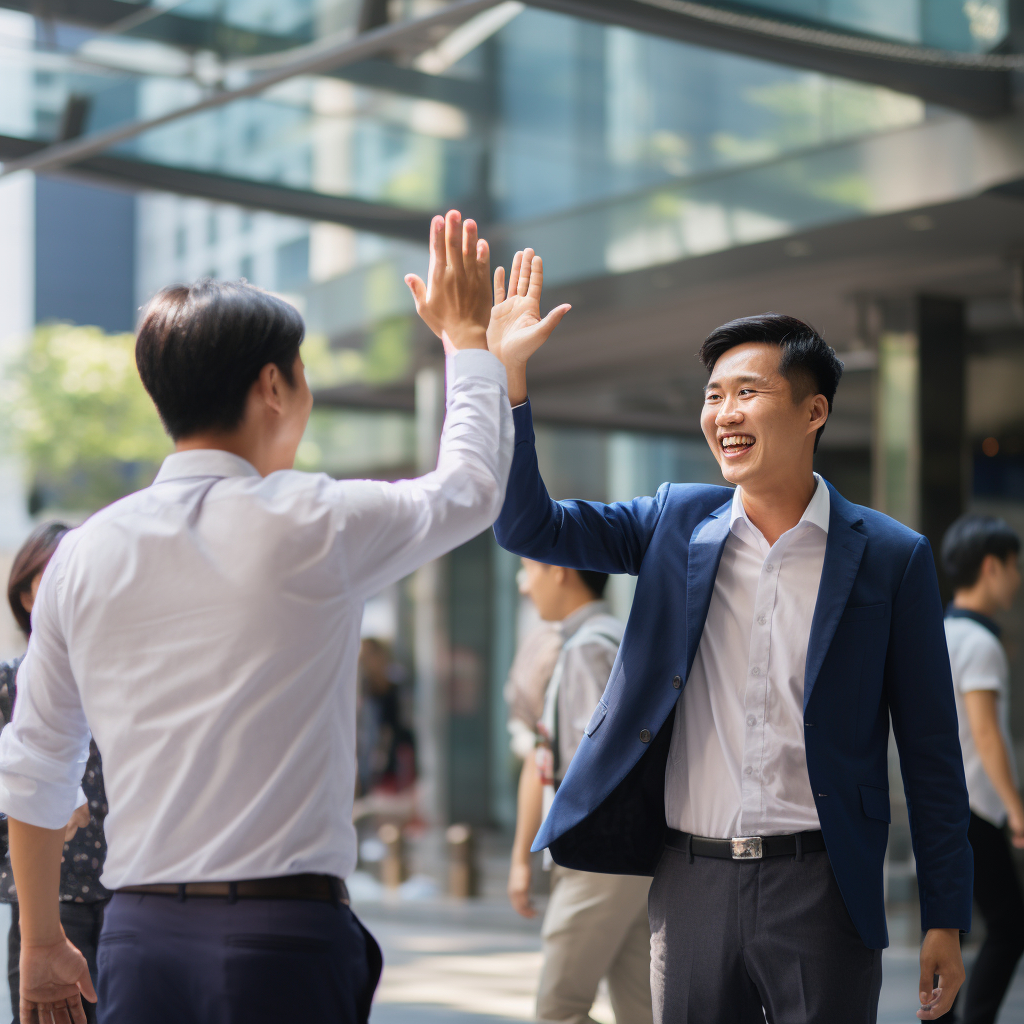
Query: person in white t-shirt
point(980, 554)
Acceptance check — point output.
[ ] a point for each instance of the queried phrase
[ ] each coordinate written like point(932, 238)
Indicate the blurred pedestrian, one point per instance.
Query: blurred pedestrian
point(384, 743)
point(82, 897)
point(596, 924)
point(981, 556)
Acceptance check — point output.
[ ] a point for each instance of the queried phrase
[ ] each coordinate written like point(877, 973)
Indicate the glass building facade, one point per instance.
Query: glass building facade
point(857, 163)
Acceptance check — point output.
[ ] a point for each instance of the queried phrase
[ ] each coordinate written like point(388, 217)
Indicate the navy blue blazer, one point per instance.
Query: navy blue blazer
point(877, 649)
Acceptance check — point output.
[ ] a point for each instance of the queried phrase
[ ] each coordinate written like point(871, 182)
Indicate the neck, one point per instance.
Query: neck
point(575, 602)
point(975, 600)
point(234, 442)
point(778, 508)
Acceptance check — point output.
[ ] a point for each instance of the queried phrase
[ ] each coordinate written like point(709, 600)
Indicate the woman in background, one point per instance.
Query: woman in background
point(82, 898)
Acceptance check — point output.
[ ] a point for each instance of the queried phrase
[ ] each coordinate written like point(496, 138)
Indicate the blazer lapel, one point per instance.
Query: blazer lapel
point(843, 552)
point(706, 546)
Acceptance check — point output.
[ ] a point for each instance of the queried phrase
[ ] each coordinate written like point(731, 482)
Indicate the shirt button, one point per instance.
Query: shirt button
point(645, 735)
point(770, 567)
point(677, 681)
point(747, 770)
point(761, 620)
point(751, 720)
point(755, 671)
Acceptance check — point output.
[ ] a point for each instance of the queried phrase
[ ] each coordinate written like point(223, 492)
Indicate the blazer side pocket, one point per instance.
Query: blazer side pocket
point(875, 802)
point(596, 718)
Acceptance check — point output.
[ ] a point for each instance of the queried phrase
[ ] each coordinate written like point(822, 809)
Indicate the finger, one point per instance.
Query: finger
point(469, 239)
point(418, 289)
point(499, 285)
point(513, 277)
point(551, 321)
point(453, 241)
point(536, 278)
point(85, 984)
point(77, 1010)
point(525, 272)
point(437, 257)
point(483, 262)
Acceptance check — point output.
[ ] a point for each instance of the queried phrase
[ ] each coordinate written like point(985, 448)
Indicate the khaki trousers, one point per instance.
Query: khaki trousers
point(595, 927)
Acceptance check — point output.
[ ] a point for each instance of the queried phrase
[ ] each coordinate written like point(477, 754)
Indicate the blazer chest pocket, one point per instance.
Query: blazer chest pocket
point(876, 803)
point(864, 612)
point(596, 718)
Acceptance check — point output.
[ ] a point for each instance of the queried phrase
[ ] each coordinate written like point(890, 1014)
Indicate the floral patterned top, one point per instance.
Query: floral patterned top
point(83, 857)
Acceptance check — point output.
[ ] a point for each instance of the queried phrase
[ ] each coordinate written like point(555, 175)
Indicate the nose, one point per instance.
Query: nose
point(729, 413)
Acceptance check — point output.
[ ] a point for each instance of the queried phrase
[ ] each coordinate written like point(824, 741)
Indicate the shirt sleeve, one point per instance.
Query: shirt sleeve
point(983, 666)
point(391, 529)
point(587, 668)
point(43, 752)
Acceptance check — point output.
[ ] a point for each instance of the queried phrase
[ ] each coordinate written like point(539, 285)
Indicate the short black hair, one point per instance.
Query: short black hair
point(806, 360)
point(969, 540)
point(201, 347)
point(595, 582)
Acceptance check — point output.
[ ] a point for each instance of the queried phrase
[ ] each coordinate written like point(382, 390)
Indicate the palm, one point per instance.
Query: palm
point(516, 329)
point(51, 977)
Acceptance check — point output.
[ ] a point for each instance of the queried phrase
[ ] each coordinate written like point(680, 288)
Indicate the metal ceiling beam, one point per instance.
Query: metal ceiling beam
point(977, 84)
point(378, 218)
point(316, 58)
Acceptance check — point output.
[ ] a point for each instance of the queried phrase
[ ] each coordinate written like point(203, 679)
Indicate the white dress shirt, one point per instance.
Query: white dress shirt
point(737, 764)
point(206, 630)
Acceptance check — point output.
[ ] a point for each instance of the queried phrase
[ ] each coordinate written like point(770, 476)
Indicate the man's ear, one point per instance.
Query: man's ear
point(819, 412)
point(269, 385)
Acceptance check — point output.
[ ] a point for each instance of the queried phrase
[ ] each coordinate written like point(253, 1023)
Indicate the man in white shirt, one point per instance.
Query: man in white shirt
point(205, 631)
point(739, 752)
point(980, 555)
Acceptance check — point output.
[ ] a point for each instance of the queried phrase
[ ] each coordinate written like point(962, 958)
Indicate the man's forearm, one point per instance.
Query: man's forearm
point(35, 858)
point(529, 809)
point(517, 393)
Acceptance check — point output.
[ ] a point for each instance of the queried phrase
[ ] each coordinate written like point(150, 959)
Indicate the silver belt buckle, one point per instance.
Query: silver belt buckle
point(747, 848)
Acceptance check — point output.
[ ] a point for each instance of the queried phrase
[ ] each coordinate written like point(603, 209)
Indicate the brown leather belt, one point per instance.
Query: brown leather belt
point(287, 887)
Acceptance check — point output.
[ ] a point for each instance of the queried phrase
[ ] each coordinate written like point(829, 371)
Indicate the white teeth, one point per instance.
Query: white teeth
point(734, 440)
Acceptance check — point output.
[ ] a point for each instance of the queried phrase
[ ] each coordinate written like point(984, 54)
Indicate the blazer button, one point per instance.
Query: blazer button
point(645, 735)
point(677, 681)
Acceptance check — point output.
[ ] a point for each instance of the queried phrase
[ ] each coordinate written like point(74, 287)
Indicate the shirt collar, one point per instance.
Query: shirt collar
point(571, 623)
point(201, 462)
point(952, 612)
point(816, 513)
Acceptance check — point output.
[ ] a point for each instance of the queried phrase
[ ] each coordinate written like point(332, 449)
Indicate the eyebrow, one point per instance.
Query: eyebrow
point(746, 378)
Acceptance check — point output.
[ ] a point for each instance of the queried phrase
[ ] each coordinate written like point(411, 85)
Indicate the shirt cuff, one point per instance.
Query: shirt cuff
point(973, 683)
point(43, 804)
point(477, 362)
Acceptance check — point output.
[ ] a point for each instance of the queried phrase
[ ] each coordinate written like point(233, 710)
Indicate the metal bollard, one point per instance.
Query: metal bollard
point(393, 868)
point(462, 874)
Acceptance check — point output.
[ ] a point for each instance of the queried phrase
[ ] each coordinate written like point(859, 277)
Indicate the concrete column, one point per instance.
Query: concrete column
point(431, 644)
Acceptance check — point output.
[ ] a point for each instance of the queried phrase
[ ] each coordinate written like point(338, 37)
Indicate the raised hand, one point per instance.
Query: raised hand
point(455, 303)
point(516, 329)
point(53, 980)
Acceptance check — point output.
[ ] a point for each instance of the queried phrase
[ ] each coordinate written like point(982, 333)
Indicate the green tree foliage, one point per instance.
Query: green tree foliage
point(77, 411)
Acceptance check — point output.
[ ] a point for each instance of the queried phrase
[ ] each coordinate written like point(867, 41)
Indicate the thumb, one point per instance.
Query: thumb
point(418, 289)
point(551, 321)
point(86, 986)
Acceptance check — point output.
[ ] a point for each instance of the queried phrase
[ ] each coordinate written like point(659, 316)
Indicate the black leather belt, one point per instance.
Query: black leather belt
point(747, 847)
point(288, 887)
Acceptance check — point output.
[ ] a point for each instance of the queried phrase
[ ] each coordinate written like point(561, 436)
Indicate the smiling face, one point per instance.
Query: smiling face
point(761, 433)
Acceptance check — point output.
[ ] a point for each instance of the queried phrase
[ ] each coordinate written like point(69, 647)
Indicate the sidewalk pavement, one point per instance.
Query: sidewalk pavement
point(477, 963)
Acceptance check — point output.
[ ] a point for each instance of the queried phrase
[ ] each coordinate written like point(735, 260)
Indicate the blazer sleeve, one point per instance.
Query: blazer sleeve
point(577, 534)
point(919, 685)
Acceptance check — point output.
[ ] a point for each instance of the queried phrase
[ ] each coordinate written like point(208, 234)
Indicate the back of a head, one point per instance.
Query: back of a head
point(595, 582)
point(200, 348)
point(809, 364)
point(969, 540)
point(31, 559)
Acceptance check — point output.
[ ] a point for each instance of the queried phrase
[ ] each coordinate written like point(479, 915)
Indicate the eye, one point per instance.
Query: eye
point(747, 391)
point(711, 396)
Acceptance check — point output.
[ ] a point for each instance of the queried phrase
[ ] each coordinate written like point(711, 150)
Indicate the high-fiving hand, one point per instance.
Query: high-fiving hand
point(455, 303)
point(516, 329)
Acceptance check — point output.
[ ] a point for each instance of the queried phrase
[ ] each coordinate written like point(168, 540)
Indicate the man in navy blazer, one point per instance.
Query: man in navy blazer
point(739, 754)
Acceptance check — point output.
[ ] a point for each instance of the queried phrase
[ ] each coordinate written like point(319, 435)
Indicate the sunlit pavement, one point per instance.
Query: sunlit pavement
point(477, 963)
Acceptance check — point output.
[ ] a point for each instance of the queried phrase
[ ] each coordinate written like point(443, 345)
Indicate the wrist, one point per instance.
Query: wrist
point(44, 937)
point(466, 336)
point(516, 374)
